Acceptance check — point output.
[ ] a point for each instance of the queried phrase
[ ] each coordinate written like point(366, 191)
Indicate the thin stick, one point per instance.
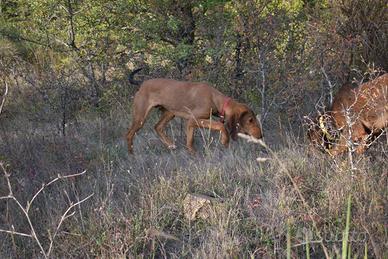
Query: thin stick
point(26, 209)
point(65, 216)
point(12, 232)
point(5, 95)
point(51, 182)
point(262, 143)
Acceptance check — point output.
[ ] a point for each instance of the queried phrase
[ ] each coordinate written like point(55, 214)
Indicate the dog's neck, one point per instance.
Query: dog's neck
point(224, 106)
point(232, 108)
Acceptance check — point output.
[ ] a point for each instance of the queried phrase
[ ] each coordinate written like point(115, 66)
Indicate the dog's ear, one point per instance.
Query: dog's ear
point(233, 125)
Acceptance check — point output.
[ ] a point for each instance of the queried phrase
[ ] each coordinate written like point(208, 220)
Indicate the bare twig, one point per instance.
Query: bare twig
point(65, 216)
point(59, 177)
point(26, 209)
point(4, 96)
point(12, 232)
point(8, 181)
point(331, 86)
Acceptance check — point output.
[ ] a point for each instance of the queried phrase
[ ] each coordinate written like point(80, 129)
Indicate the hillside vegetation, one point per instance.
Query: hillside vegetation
point(69, 189)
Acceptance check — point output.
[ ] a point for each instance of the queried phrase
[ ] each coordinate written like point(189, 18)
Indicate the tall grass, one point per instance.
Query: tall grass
point(289, 205)
point(345, 237)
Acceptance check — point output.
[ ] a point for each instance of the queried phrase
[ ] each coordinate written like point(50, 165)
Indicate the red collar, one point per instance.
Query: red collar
point(224, 105)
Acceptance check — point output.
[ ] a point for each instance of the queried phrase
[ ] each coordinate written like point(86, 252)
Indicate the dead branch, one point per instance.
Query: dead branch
point(4, 97)
point(25, 210)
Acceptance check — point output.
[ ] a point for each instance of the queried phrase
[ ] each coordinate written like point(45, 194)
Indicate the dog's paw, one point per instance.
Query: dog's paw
point(191, 151)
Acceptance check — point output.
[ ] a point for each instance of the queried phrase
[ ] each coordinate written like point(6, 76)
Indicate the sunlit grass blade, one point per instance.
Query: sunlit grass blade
point(345, 236)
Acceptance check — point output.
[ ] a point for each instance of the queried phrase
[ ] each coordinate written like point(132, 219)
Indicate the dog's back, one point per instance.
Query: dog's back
point(185, 99)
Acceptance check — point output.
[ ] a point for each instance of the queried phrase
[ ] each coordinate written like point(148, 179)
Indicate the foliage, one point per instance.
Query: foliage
point(66, 62)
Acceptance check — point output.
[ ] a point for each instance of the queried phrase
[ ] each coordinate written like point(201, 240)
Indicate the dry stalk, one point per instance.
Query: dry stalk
point(4, 97)
point(294, 184)
point(26, 210)
point(65, 216)
point(350, 144)
point(331, 86)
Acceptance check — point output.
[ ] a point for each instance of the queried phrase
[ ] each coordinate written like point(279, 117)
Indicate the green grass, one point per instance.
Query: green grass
point(345, 237)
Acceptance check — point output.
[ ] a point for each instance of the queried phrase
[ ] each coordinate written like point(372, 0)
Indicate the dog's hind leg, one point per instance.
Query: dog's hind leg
point(140, 111)
point(159, 128)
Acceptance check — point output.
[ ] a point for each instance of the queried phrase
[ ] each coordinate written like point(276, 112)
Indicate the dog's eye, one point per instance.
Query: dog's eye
point(250, 120)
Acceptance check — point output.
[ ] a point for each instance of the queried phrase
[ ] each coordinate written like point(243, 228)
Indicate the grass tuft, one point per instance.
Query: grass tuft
point(288, 205)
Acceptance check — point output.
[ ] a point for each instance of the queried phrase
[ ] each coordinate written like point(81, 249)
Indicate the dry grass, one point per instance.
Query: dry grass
point(136, 210)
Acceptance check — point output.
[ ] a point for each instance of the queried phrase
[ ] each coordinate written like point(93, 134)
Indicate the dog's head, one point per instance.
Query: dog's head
point(244, 121)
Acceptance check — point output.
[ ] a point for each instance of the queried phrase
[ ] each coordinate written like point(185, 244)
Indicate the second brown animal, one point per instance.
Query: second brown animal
point(355, 118)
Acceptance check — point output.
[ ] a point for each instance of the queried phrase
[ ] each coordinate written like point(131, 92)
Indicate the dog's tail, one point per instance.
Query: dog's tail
point(132, 74)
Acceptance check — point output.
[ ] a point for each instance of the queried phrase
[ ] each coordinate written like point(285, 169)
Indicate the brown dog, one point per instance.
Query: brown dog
point(195, 102)
point(356, 114)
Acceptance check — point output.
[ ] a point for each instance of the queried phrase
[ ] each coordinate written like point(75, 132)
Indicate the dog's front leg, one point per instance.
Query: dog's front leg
point(190, 135)
point(215, 125)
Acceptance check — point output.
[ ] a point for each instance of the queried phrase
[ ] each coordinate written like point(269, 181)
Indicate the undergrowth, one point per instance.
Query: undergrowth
point(293, 204)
